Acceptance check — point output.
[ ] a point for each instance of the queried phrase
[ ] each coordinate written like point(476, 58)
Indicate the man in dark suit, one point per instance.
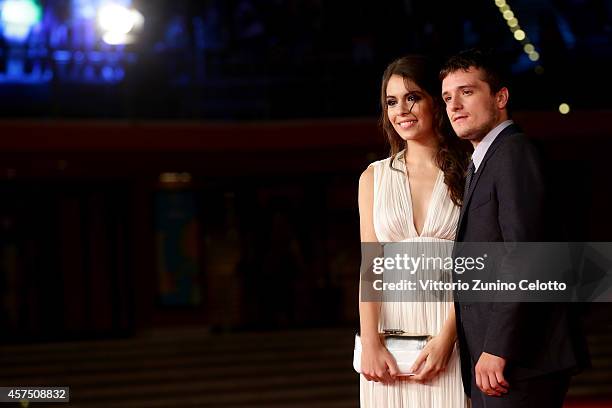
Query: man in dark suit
point(512, 354)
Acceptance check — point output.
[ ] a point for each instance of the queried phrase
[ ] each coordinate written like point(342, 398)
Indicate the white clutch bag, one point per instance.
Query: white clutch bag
point(404, 347)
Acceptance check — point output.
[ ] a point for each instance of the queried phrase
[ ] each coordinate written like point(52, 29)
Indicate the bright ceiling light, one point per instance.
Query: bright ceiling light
point(18, 17)
point(118, 23)
point(25, 12)
point(115, 38)
point(116, 19)
point(519, 35)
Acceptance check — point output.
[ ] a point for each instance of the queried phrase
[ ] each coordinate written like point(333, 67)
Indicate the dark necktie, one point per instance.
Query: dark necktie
point(468, 177)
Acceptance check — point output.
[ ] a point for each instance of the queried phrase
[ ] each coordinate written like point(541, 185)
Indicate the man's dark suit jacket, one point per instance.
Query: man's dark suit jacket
point(506, 203)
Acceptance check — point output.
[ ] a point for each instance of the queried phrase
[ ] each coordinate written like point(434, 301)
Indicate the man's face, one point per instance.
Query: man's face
point(471, 107)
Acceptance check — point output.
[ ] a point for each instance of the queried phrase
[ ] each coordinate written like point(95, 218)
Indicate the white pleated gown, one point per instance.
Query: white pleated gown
point(393, 222)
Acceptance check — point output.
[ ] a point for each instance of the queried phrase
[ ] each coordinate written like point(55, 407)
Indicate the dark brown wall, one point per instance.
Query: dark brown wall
point(77, 209)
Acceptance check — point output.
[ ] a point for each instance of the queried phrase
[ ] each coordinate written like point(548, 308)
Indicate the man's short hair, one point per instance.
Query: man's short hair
point(494, 75)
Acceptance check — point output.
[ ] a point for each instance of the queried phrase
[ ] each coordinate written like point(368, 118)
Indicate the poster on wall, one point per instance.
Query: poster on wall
point(176, 231)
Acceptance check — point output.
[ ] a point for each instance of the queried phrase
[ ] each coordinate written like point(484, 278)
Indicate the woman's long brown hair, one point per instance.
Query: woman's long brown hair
point(452, 154)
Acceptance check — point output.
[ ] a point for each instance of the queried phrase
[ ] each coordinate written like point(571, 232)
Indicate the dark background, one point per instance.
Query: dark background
point(262, 115)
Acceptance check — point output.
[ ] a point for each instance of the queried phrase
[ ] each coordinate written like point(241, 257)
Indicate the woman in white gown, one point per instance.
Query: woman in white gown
point(414, 195)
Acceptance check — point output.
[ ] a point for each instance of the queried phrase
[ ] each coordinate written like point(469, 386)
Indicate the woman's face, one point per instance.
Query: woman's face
point(409, 109)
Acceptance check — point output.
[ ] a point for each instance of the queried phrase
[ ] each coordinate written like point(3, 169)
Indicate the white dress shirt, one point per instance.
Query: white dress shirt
point(486, 142)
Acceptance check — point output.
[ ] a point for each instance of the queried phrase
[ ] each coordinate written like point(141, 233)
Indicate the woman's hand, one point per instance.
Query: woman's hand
point(377, 364)
point(433, 359)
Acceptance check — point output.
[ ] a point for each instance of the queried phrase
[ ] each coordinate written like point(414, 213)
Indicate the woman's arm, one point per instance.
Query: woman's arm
point(377, 364)
point(434, 358)
point(449, 330)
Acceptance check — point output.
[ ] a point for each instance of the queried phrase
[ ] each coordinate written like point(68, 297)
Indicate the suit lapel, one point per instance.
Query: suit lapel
point(468, 196)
